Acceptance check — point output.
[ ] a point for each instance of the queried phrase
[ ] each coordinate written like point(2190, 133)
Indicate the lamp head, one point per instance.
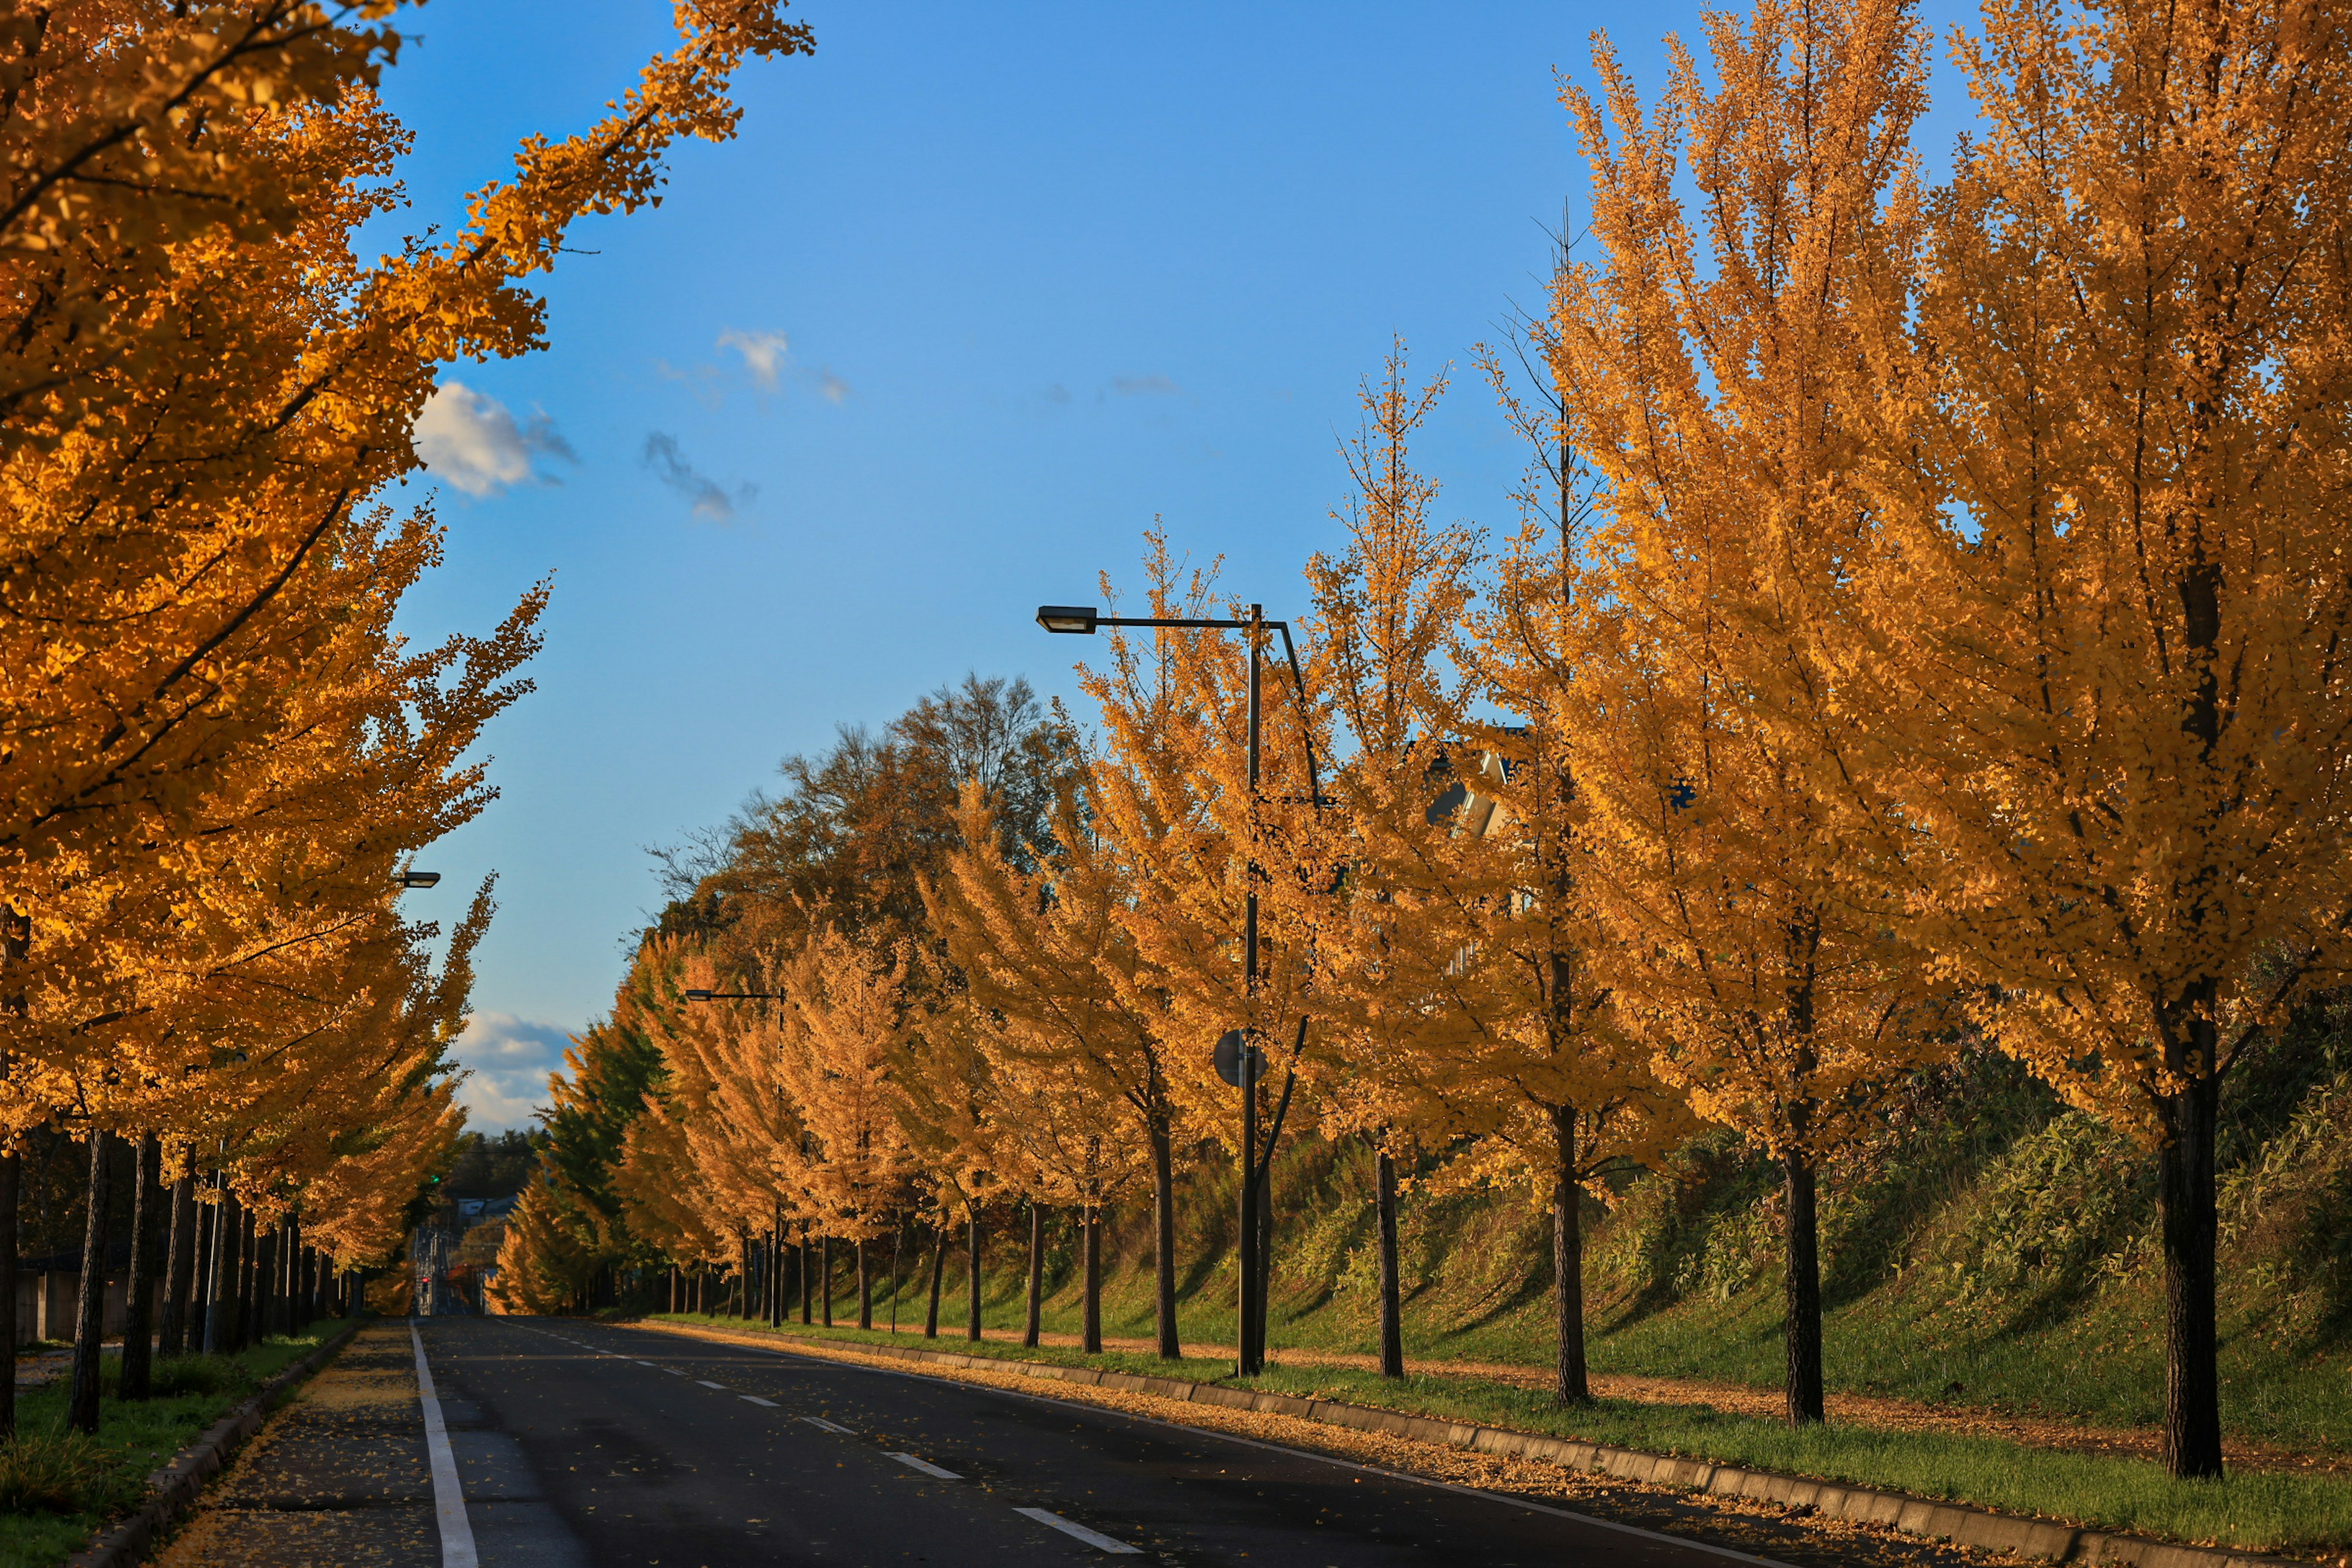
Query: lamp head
point(693, 994)
point(416, 879)
point(1076, 618)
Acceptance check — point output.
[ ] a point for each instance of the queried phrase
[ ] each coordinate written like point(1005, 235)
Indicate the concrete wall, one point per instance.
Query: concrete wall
point(45, 1306)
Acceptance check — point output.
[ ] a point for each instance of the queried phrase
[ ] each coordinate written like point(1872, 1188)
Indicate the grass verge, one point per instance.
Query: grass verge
point(57, 1486)
point(2253, 1510)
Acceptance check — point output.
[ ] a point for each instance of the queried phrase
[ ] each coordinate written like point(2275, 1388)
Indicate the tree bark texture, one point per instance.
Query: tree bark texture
point(939, 1272)
point(865, 1288)
point(1384, 1179)
point(825, 1291)
point(81, 1399)
point(1030, 1324)
point(179, 1268)
point(1093, 1345)
point(12, 1171)
point(1163, 1239)
point(264, 1283)
point(2189, 1217)
point(971, 1294)
point(139, 1303)
point(1573, 1385)
point(1804, 1290)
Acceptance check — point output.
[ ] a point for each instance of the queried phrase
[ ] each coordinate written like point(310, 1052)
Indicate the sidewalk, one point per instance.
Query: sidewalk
point(338, 1476)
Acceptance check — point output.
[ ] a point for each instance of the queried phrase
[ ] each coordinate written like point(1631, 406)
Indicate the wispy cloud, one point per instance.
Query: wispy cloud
point(764, 354)
point(1144, 386)
point(510, 1059)
point(473, 441)
point(831, 387)
point(1057, 392)
point(710, 500)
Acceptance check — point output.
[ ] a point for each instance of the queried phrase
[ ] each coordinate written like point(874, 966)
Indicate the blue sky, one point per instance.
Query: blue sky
point(978, 292)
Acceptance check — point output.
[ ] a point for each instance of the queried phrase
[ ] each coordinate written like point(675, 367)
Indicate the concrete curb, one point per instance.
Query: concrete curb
point(1983, 1529)
point(173, 1488)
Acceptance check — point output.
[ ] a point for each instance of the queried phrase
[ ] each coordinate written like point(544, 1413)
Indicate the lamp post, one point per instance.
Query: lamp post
point(1082, 620)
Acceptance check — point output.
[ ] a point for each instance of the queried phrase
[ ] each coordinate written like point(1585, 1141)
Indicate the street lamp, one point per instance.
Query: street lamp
point(693, 994)
point(416, 879)
point(1082, 620)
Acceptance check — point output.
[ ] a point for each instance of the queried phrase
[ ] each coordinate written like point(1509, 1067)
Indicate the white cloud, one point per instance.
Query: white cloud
point(764, 353)
point(831, 387)
point(475, 443)
point(510, 1059)
point(1143, 385)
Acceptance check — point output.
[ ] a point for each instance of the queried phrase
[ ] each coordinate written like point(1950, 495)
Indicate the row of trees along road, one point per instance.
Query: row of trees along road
point(215, 752)
point(1926, 621)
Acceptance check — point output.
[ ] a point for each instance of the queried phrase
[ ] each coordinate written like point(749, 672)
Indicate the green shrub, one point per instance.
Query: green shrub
point(199, 1373)
point(63, 1472)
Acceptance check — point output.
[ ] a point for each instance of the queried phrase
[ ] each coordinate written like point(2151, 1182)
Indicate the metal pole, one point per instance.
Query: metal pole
point(1253, 1354)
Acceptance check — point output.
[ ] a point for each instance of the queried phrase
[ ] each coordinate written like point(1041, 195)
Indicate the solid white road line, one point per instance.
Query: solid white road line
point(925, 1466)
point(448, 1501)
point(827, 1425)
point(1093, 1538)
point(708, 1383)
point(755, 1399)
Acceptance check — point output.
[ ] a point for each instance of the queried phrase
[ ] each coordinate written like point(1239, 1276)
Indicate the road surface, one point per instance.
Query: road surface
point(581, 1444)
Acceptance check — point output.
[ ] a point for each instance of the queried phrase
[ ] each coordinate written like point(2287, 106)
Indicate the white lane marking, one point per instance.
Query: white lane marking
point(755, 1399)
point(708, 1383)
point(1093, 1538)
point(1404, 1478)
point(449, 1500)
point(645, 1363)
point(821, 1421)
point(925, 1466)
point(673, 1372)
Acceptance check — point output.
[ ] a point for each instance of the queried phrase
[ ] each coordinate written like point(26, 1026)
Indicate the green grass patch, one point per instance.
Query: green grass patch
point(57, 1486)
point(2252, 1510)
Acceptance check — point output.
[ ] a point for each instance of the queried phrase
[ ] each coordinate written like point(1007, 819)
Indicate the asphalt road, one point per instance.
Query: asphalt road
point(581, 1445)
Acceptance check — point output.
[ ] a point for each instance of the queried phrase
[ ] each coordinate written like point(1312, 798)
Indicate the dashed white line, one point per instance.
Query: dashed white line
point(925, 1466)
point(755, 1399)
point(1093, 1538)
point(708, 1383)
point(673, 1372)
point(645, 1363)
point(829, 1426)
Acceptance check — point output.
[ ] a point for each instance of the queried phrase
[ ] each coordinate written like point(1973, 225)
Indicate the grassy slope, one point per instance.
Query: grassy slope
point(1992, 1251)
point(138, 1438)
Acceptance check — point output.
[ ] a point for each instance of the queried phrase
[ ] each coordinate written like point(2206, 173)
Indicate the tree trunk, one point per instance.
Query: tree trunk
point(972, 1301)
point(1567, 1258)
point(1093, 1331)
point(139, 1303)
point(218, 1280)
point(264, 1283)
point(744, 1267)
point(81, 1406)
point(1164, 1239)
point(12, 1169)
point(1392, 1292)
point(939, 1271)
point(1804, 1290)
point(1037, 1274)
point(825, 1291)
point(179, 1268)
point(807, 1281)
point(2188, 1217)
point(864, 1288)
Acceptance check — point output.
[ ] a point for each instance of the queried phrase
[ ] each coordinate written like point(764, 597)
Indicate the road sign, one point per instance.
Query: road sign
point(1228, 1058)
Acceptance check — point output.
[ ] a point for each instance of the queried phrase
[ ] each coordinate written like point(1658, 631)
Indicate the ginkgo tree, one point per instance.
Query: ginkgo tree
point(1696, 362)
point(2100, 647)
